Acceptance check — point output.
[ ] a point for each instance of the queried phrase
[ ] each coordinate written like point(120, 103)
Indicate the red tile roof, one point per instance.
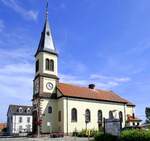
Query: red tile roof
point(3, 125)
point(87, 93)
point(133, 119)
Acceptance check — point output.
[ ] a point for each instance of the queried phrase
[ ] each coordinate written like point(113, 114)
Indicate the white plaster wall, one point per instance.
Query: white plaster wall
point(45, 81)
point(24, 123)
point(93, 106)
point(129, 110)
point(61, 108)
point(48, 117)
point(40, 58)
point(65, 106)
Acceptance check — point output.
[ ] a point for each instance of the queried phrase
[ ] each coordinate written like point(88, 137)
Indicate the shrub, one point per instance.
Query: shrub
point(105, 137)
point(135, 135)
point(84, 133)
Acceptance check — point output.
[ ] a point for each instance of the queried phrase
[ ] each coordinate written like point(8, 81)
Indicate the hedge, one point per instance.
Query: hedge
point(105, 137)
point(128, 135)
point(135, 135)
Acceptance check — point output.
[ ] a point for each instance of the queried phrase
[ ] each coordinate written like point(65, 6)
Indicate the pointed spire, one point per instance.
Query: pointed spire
point(46, 42)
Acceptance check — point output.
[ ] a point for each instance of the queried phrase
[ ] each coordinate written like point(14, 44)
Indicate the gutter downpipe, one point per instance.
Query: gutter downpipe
point(67, 113)
point(125, 113)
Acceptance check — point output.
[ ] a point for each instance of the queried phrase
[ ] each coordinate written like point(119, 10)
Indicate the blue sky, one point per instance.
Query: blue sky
point(106, 42)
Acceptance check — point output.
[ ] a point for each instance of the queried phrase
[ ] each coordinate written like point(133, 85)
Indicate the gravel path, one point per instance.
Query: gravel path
point(45, 139)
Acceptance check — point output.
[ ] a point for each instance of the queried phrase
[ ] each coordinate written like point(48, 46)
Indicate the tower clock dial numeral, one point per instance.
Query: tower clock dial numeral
point(49, 86)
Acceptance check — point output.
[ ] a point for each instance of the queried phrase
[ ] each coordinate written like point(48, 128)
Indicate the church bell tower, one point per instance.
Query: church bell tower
point(46, 78)
point(46, 62)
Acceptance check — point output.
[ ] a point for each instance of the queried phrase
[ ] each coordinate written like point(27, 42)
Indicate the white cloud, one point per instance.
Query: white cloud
point(107, 78)
point(101, 82)
point(2, 26)
point(72, 79)
point(32, 14)
point(16, 77)
point(27, 14)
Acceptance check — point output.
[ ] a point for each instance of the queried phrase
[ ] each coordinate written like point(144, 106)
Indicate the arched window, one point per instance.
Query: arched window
point(74, 115)
point(59, 116)
point(100, 116)
point(111, 115)
point(121, 116)
point(47, 67)
point(51, 65)
point(37, 66)
point(87, 116)
point(49, 109)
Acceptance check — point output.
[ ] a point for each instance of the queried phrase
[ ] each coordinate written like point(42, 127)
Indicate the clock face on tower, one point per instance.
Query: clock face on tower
point(49, 86)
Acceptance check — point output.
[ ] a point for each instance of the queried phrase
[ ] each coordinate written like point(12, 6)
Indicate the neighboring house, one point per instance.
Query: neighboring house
point(133, 121)
point(19, 119)
point(61, 107)
point(3, 126)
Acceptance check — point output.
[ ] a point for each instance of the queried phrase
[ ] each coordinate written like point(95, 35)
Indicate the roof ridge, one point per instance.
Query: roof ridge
point(79, 91)
point(77, 85)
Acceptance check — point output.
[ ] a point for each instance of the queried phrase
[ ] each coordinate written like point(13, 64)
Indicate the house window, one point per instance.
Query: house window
point(28, 110)
point(37, 66)
point(59, 116)
point(20, 129)
point(51, 65)
point(47, 64)
point(20, 119)
point(87, 116)
point(111, 115)
point(74, 115)
point(49, 109)
point(28, 128)
point(28, 119)
point(20, 110)
point(11, 119)
point(100, 116)
point(121, 116)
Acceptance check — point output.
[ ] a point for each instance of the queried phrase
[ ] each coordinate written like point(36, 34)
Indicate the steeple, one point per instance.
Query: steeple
point(46, 42)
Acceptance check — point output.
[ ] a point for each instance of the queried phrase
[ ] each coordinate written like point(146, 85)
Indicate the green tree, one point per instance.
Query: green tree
point(147, 112)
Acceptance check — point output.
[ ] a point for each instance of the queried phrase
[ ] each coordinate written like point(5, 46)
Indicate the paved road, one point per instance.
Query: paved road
point(45, 139)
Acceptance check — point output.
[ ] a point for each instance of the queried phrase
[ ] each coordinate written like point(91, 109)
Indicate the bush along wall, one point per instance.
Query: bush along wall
point(135, 135)
point(105, 137)
point(128, 135)
point(85, 133)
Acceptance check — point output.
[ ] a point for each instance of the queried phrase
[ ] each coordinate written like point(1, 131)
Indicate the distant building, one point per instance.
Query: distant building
point(132, 120)
point(19, 119)
point(2, 126)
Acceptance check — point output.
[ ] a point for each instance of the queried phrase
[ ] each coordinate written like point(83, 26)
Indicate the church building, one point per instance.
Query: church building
point(63, 107)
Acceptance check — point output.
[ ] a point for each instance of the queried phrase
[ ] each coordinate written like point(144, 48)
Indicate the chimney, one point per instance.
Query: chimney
point(91, 86)
point(133, 115)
